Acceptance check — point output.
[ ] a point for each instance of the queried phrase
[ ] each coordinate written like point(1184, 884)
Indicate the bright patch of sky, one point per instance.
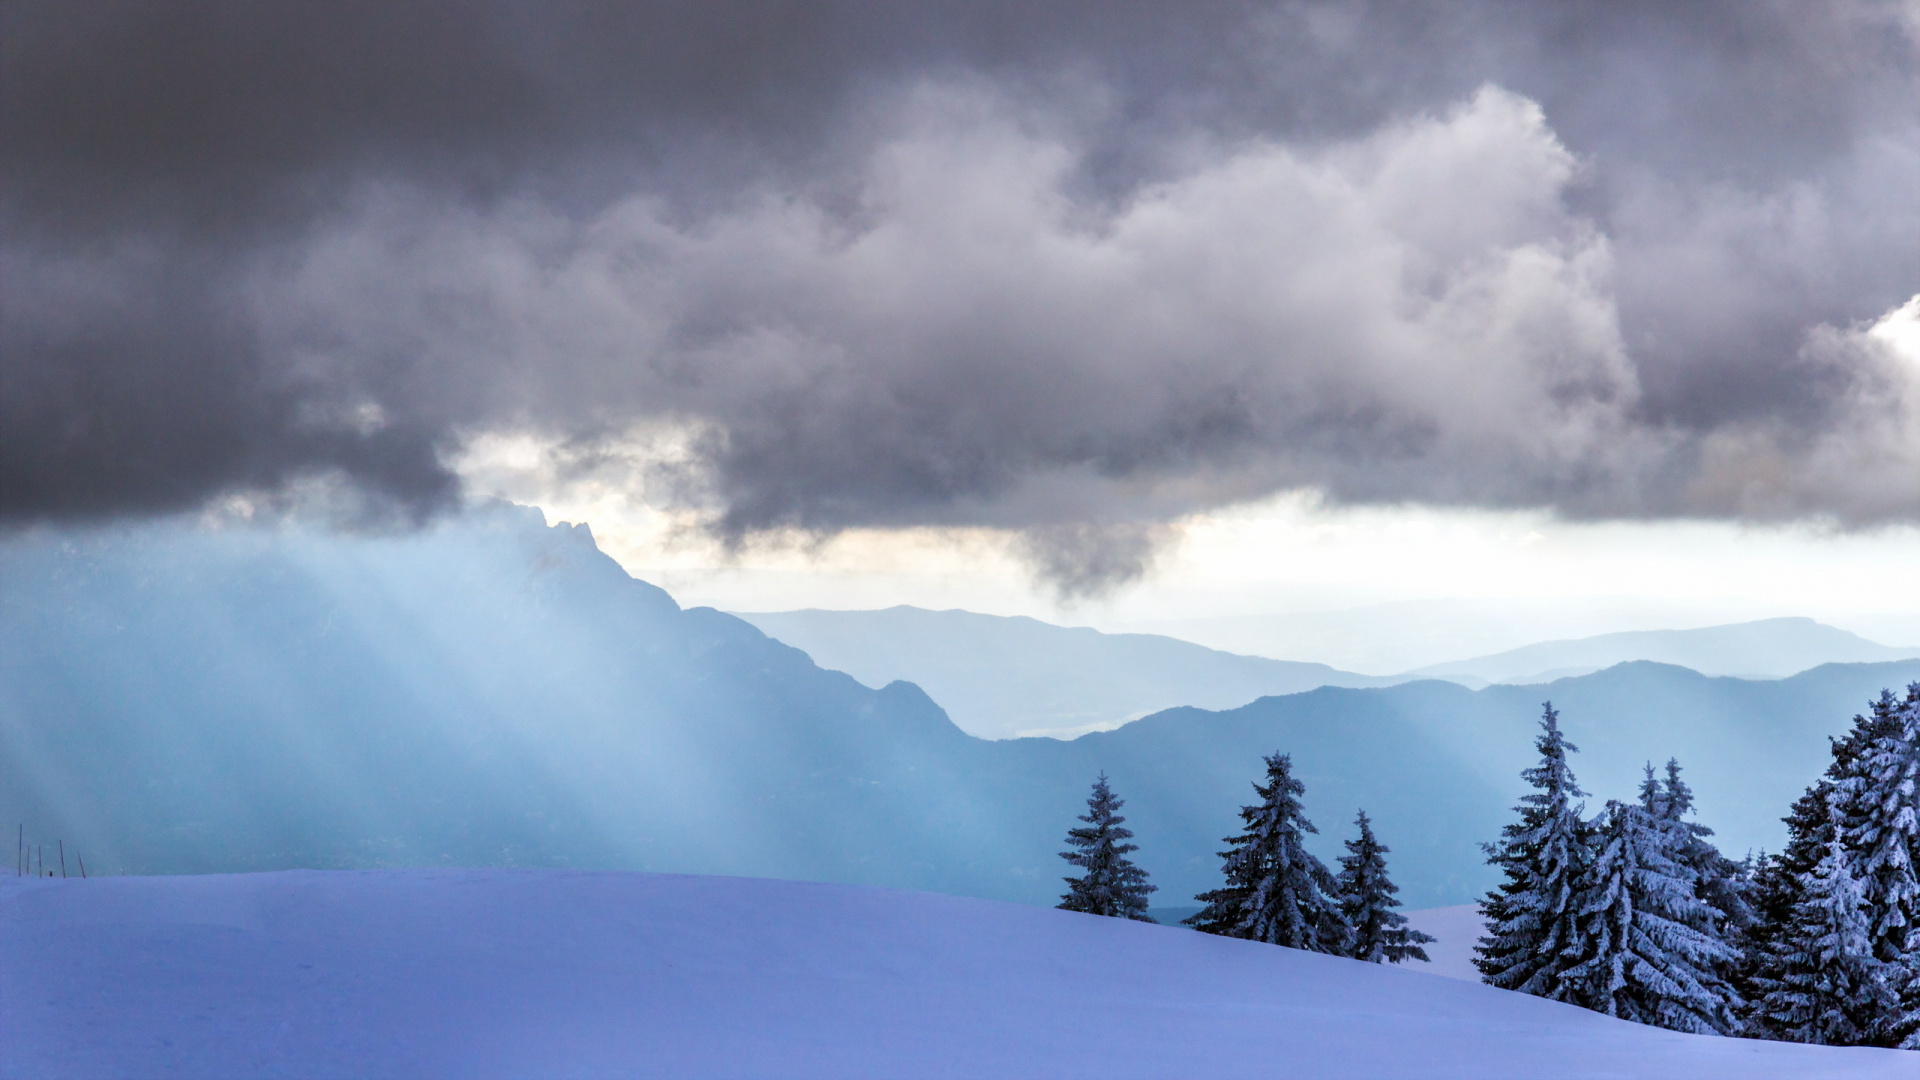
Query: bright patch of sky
point(1498, 580)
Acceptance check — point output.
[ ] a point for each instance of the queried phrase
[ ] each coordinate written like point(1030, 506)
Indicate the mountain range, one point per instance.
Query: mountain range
point(1409, 635)
point(1002, 677)
point(491, 691)
point(1763, 649)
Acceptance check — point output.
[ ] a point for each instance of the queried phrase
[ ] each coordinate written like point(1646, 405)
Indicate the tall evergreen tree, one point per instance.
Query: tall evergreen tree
point(1833, 808)
point(1111, 884)
point(1883, 835)
point(1820, 982)
point(1650, 949)
point(1276, 890)
point(1533, 933)
point(1810, 820)
point(1366, 902)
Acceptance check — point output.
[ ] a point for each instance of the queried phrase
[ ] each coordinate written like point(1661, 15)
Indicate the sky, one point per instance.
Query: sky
point(1117, 313)
point(1378, 590)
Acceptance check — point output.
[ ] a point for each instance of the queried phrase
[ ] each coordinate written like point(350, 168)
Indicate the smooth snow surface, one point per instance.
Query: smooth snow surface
point(472, 974)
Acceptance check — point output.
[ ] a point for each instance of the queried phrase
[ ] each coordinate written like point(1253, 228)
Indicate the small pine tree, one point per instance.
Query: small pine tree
point(1533, 934)
point(1650, 949)
point(1112, 884)
point(1723, 884)
point(1276, 891)
point(1366, 901)
point(1821, 982)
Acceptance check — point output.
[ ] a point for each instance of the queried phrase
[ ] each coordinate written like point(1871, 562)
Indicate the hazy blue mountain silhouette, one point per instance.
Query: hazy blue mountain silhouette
point(495, 692)
point(490, 691)
point(1766, 648)
point(1000, 677)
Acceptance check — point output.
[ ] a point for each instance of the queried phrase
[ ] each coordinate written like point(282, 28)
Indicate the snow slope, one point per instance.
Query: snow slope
point(1457, 928)
point(472, 974)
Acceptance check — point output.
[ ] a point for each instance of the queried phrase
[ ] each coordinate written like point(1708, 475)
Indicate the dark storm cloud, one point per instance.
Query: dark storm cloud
point(1073, 269)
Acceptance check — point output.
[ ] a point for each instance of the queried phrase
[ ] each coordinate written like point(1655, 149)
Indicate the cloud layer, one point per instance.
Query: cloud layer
point(826, 266)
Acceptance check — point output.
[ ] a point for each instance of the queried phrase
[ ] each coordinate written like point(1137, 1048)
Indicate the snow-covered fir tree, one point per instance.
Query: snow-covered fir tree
point(1532, 932)
point(1650, 949)
point(1366, 901)
point(1723, 884)
point(1843, 805)
point(1110, 883)
point(1885, 834)
point(1820, 982)
point(1276, 890)
point(1779, 880)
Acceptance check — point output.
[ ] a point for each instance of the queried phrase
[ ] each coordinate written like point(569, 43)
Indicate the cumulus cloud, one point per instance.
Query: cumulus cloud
point(1861, 466)
point(1073, 274)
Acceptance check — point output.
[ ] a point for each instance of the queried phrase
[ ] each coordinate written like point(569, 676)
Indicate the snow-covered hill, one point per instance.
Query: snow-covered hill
point(472, 974)
point(1455, 929)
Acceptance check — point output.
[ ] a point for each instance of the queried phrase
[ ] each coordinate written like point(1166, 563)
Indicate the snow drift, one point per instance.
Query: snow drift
point(470, 974)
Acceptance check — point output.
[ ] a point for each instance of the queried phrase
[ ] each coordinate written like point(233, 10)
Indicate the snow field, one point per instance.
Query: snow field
point(1457, 928)
point(490, 973)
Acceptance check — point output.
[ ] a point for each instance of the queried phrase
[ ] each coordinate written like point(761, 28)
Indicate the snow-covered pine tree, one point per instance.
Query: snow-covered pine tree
point(1531, 919)
point(1883, 834)
point(1722, 883)
point(1650, 948)
point(1821, 982)
point(1366, 901)
point(1780, 882)
point(1276, 890)
point(1112, 884)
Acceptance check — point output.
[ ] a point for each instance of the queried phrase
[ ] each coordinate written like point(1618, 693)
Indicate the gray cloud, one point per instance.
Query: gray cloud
point(1073, 272)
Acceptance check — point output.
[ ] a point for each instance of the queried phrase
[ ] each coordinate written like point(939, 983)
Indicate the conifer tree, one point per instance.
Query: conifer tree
point(1723, 884)
point(1276, 890)
point(1366, 901)
point(1820, 982)
point(1833, 808)
point(1532, 934)
point(1111, 884)
point(1650, 949)
point(1883, 836)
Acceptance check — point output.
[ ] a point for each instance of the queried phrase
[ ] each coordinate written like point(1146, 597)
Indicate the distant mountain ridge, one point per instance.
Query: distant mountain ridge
point(1003, 677)
point(1764, 649)
point(1010, 676)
